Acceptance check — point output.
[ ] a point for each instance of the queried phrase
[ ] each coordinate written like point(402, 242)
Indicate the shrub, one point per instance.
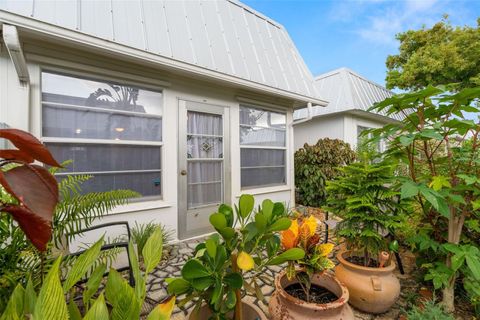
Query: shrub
point(142, 231)
point(430, 311)
point(317, 164)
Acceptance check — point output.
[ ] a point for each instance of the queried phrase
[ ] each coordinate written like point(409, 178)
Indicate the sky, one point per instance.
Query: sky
point(358, 34)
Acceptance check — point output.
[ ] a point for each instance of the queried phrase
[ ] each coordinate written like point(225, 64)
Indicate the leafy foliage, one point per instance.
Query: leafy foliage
point(33, 189)
point(125, 301)
point(317, 164)
point(429, 311)
point(440, 55)
point(362, 196)
point(215, 274)
point(74, 212)
point(142, 231)
point(439, 143)
point(303, 234)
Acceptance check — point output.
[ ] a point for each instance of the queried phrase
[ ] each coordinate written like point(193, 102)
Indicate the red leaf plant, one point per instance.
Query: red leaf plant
point(33, 186)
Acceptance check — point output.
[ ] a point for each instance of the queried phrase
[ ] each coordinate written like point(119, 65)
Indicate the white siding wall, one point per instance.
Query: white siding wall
point(20, 108)
point(351, 123)
point(13, 95)
point(340, 126)
point(318, 128)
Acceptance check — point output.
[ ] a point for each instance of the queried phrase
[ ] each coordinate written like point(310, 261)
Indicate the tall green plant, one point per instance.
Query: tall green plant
point(315, 165)
point(439, 143)
point(125, 301)
point(362, 196)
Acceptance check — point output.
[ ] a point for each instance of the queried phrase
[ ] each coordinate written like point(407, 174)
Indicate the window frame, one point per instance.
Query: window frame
point(145, 202)
point(249, 146)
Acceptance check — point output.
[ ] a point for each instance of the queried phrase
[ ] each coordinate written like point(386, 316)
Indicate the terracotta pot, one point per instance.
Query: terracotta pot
point(250, 312)
point(283, 306)
point(373, 290)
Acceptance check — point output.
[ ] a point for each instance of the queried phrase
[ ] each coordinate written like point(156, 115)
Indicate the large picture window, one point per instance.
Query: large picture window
point(110, 131)
point(262, 147)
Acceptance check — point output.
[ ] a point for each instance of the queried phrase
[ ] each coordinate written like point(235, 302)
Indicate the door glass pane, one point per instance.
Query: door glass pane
point(205, 175)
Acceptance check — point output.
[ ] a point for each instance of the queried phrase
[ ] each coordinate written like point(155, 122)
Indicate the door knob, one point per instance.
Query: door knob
point(183, 172)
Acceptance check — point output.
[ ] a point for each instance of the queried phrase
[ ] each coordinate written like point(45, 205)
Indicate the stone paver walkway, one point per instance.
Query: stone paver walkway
point(179, 253)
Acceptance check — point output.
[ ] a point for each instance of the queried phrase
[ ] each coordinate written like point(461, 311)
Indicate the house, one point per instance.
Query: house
point(190, 103)
point(350, 96)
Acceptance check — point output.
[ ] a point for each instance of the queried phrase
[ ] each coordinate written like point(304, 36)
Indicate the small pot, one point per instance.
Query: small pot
point(372, 290)
point(250, 312)
point(283, 306)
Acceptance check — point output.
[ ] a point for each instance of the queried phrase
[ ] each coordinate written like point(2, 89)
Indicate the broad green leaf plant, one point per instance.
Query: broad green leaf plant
point(124, 301)
point(247, 240)
point(438, 141)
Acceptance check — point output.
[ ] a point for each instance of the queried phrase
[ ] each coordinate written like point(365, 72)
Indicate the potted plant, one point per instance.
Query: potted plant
point(304, 290)
point(369, 208)
point(214, 277)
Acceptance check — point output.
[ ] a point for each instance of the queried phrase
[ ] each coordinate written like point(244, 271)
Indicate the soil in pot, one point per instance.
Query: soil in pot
point(360, 261)
point(318, 294)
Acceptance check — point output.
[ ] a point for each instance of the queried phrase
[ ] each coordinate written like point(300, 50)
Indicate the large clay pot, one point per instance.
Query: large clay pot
point(373, 290)
point(283, 306)
point(250, 312)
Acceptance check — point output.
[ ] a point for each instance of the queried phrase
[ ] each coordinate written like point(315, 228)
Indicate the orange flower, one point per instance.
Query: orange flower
point(290, 236)
point(289, 240)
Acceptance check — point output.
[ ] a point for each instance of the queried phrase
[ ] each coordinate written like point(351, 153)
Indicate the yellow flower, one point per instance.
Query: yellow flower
point(311, 223)
point(324, 249)
point(294, 228)
point(245, 261)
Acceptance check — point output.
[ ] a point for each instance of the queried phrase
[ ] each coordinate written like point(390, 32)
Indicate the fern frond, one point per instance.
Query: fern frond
point(79, 212)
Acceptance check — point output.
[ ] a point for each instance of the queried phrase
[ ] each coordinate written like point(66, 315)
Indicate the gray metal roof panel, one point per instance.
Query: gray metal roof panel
point(346, 90)
point(225, 35)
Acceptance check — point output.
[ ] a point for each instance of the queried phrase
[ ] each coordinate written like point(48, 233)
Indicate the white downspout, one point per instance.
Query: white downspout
point(14, 48)
point(309, 115)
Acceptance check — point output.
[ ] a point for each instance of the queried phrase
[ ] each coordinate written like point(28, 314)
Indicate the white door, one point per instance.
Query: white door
point(204, 172)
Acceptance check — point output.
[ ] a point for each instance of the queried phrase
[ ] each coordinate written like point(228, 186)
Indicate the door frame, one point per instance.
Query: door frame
point(185, 105)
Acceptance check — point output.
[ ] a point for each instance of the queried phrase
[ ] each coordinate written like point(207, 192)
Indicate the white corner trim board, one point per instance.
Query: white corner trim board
point(14, 48)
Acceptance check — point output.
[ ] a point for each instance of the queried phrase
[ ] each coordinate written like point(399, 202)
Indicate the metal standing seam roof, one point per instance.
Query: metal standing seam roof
point(346, 90)
point(225, 35)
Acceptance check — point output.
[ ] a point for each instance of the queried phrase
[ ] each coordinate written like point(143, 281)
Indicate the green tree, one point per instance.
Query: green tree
point(440, 55)
point(439, 143)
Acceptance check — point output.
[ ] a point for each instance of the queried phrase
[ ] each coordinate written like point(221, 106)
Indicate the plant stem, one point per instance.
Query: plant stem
point(238, 295)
